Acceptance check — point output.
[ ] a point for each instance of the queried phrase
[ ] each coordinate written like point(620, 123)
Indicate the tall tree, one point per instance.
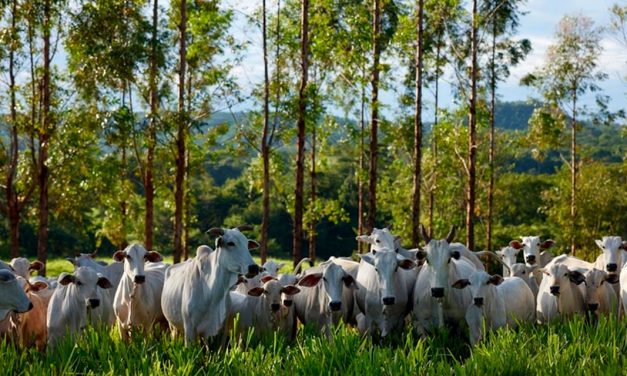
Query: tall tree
point(472, 131)
point(302, 115)
point(265, 141)
point(151, 139)
point(568, 73)
point(417, 177)
point(374, 117)
point(181, 138)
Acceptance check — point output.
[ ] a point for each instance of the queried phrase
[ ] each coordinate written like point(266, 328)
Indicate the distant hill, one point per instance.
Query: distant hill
point(513, 115)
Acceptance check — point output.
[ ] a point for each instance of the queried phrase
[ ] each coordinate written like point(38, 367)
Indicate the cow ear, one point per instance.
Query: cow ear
point(36, 265)
point(280, 266)
point(599, 243)
point(310, 280)
point(456, 255)
point(461, 283)
point(256, 291)
point(406, 264)
point(72, 260)
point(119, 256)
point(349, 282)
point(266, 278)
point(37, 286)
point(547, 244)
point(516, 244)
point(367, 258)
point(364, 239)
point(576, 277)
point(624, 245)
point(495, 280)
point(65, 279)
point(612, 278)
point(104, 283)
point(240, 280)
point(420, 254)
point(252, 245)
point(290, 290)
point(153, 256)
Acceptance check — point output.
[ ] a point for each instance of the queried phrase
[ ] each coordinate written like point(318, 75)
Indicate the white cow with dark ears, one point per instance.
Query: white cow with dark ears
point(137, 302)
point(559, 295)
point(12, 295)
point(508, 256)
point(534, 250)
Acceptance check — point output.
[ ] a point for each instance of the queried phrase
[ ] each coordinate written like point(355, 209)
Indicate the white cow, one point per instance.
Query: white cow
point(508, 256)
point(559, 295)
point(326, 296)
point(529, 274)
point(77, 301)
point(613, 257)
point(23, 267)
point(498, 301)
point(113, 271)
point(137, 302)
point(12, 295)
point(195, 298)
point(435, 303)
point(272, 267)
point(261, 308)
point(382, 294)
point(534, 250)
point(600, 296)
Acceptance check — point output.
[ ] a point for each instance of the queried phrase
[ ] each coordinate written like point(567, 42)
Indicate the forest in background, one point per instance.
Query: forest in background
point(135, 140)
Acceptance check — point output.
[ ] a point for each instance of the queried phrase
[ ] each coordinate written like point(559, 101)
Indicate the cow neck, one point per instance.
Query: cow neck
point(567, 293)
point(218, 274)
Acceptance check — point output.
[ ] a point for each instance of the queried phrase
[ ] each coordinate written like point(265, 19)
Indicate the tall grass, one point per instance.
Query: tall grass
point(571, 348)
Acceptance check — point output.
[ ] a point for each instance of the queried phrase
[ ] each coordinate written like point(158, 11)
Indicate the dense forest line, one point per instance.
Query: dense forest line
point(135, 137)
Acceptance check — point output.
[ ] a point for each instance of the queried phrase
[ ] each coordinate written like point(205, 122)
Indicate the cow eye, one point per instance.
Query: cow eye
point(378, 241)
point(79, 283)
point(524, 272)
point(566, 275)
point(265, 292)
point(324, 279)
point(230, 244)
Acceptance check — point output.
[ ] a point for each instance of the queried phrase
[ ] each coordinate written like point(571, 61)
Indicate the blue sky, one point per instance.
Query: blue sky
point(538, 25)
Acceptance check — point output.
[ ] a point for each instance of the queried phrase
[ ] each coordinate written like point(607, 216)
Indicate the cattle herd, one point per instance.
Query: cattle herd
point(442, 284)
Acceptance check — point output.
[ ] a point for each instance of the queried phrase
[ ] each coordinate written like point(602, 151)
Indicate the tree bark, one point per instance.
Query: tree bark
point(181, 139)
point(434, 144)
point(374, 129)
point(152, 133)
point(472, 135)
point(491, 140)
point(44, 139)
point(360, 180)
point(573, 163)
point(13, 209)
point(417, 131)
point(302, 108)
point(265, 149)
point(312, 225)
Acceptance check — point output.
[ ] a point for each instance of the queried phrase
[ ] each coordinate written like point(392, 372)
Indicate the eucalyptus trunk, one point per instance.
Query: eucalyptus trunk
point(374, 129)
point(152, 133)
point(417, 131)
point(265, 148)
point(472, 134)
point(181, 140)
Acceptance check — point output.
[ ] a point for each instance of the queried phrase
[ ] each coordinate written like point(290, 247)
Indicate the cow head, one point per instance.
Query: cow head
point(531, 246)
point(559, 276)
point(12, 295)
point(612, 247)
point(334, 279)
point(386, 263)
point(594, 279)
point(134, 257)
point(273, 290)
point(272, 267)
point(23, 267)
point(438, 255)
point(522, 271)
point(481, 285)
point(508, 255)
point(85, 282)
point(233, 250)
point(380, 239)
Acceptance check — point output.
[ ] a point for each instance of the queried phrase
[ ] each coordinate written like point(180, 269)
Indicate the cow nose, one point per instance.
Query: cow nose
point(30, 306)
point(253, 270)
point(388, 300)
point(612, 268)
point(555, 290)
point(478, 302)
point(336, 306)
point(93, 303)
point(275, 307)
point(140, 278)
point(287, 303)
point(531, 259)
point(437, 292)
point(593, 307)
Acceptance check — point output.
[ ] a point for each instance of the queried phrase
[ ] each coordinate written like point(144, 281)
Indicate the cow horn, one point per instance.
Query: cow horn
point(451, 234)
point(215, 231)
point(245, 228)
point(94, 254)
point(494, 256)
point(425, 236)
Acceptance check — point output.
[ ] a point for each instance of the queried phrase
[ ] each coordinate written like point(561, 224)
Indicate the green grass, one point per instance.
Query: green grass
point(564, 349)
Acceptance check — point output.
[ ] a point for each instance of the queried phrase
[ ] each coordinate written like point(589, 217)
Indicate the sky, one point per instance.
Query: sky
point(538, 25)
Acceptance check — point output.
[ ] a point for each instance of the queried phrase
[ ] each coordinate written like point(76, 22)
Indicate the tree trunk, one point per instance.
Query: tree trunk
point(302, 107)
point(181, 139)
point(265, 149)
point(573, 180)
point(360, 180)
point(123, 202)
point(312, 225)
point(152, 134)
point(374, 129)
point(434, 143)
point(472, 135)
point(417, 132)
point(44, 139)
point(13, 210)
point(491, 141)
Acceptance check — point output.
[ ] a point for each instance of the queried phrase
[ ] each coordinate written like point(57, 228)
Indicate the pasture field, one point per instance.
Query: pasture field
point(573, 348)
